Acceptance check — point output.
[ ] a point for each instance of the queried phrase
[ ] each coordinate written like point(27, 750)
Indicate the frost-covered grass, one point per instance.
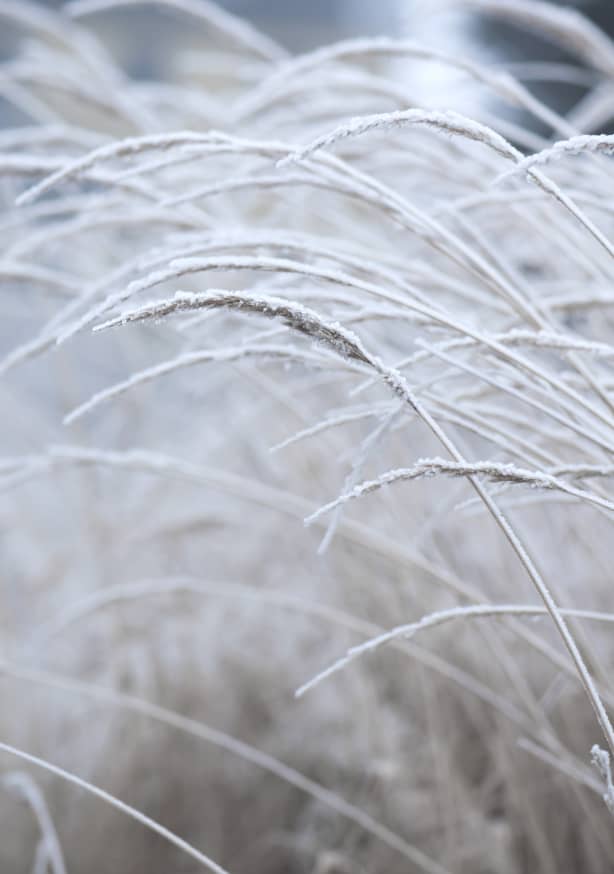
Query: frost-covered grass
point(307, 451)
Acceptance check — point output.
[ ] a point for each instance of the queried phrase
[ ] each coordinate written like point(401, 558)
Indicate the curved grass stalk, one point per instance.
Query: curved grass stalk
point(348, 345)
point(239, 30)
point(222, 740)
point(432, 620)
point(111, 800)
point(495, 471)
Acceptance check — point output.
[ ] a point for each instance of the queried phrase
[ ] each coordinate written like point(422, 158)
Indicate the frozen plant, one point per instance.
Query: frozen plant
point(307, 449)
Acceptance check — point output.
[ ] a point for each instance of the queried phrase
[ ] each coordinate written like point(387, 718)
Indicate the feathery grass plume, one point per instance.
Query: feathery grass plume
point(583, 144)
point(429, 467)
point(410, 629)
point(347, 345)
point(601, 760)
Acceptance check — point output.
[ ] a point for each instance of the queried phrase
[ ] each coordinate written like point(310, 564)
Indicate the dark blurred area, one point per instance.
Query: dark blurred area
point(132, 33)
point(523, 50)
point(300, 24)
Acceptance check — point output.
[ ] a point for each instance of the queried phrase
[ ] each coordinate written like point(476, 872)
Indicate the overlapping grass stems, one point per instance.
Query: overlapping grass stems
point(353, 294)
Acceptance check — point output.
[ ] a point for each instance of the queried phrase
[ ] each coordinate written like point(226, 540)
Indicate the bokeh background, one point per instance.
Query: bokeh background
point(301, 26)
